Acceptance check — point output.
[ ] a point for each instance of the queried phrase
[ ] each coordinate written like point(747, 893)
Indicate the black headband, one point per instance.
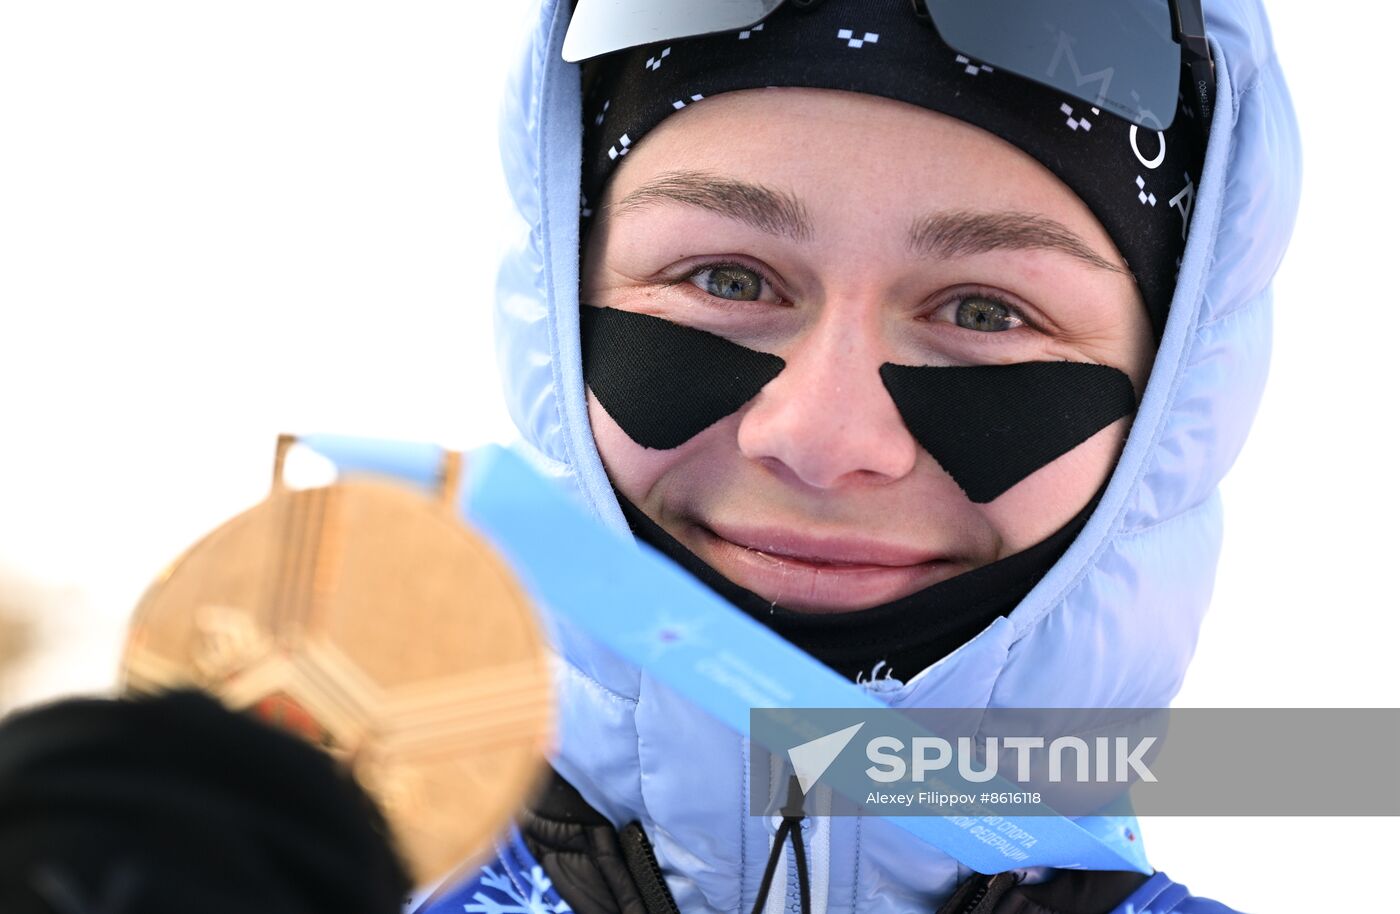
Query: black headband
point(1140, 183)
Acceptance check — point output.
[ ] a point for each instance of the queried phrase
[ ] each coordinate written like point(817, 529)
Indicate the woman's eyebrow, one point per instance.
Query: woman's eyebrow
point(962, 233)
point(941, 234)
point(767, 210)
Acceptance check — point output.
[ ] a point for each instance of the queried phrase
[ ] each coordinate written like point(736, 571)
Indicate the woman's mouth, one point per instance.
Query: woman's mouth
point(821, 574)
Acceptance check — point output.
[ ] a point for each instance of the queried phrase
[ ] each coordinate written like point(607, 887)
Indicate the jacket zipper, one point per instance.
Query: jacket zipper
point(640, 860)
point(980, 894)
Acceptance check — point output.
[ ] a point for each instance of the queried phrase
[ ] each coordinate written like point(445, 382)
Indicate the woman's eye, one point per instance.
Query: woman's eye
point(975, 312)
point(734, 283)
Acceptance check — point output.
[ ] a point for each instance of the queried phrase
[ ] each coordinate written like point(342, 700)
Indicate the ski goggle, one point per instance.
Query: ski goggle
point(1122, 55)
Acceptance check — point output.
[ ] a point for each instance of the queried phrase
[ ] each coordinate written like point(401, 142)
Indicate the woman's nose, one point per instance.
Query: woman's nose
point(826, 420)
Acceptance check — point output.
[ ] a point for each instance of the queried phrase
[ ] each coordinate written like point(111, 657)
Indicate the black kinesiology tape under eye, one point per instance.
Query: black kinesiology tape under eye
point(664, 383)
point(988, 426)
point(991, 426)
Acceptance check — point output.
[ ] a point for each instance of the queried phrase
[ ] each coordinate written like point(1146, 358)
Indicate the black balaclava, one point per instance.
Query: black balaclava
point(174, 805)
point(905, 635)
point(1139, 183)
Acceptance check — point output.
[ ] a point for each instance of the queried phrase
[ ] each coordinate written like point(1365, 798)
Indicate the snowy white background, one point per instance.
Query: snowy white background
point(220, 221)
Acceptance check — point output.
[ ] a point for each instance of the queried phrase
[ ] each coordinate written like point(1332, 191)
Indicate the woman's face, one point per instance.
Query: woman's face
point(816, 225)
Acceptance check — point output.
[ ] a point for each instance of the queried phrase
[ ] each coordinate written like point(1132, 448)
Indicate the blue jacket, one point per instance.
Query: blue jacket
point(1114, 622)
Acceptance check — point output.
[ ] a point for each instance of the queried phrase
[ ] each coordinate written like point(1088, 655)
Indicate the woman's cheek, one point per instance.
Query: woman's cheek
point(1045, 501)
point(633, 469)
point(703, 474)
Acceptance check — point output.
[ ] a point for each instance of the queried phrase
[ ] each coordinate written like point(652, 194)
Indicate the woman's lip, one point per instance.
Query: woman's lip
point(836, 551)
point(822, 574)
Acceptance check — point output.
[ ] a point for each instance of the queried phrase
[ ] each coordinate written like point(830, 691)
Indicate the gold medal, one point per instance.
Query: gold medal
point(368, 618)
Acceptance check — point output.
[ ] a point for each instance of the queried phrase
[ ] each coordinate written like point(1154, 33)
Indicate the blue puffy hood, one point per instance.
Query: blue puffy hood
point(1113, 624)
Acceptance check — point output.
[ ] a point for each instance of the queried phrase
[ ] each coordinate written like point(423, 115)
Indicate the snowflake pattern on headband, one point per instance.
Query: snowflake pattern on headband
point(1140, 183)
